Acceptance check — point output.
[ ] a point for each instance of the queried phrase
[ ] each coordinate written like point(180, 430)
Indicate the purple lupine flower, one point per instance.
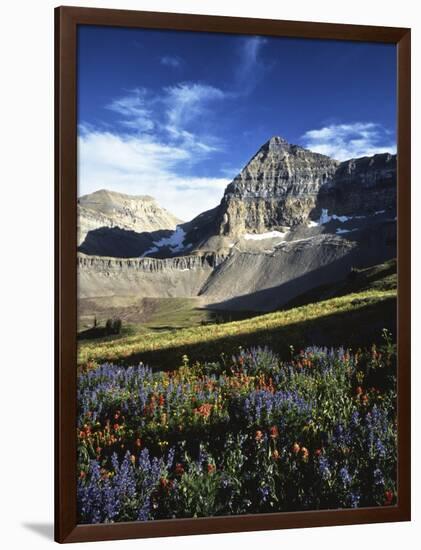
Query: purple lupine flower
point(378, 477)
point(324, 468)
point(344, 475)
point(355, 500)
point(264, 493)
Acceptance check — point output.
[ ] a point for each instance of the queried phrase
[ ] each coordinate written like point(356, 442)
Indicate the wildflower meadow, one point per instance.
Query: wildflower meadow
point(245, 434)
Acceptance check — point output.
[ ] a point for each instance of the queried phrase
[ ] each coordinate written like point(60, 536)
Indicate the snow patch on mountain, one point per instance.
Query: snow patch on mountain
point(340, 231)
point(174, 242)
point(263, 236)
point(325, 218)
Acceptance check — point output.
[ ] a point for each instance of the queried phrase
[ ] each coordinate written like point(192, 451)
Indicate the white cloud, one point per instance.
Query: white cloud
point(169, 113)
point(252, 47)
point(171, 61)
point(346, 141)
point(134, 109)
point(187, 101)
point(137, 164)
point(251, 67)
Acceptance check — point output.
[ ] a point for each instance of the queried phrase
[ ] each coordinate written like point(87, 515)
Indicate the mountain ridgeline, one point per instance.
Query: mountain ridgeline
point(286, 185)
point(290, 221)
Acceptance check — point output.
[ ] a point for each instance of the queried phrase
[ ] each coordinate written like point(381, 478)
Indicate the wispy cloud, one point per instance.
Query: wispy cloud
point(251, 67)
point(353, 140)
point(171, 61)
point(171, 113)
point(187, 101)
point(134, 110)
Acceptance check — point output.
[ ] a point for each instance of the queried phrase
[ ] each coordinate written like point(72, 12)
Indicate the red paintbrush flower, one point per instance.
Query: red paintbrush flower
point(179, 470)
point(389, 497)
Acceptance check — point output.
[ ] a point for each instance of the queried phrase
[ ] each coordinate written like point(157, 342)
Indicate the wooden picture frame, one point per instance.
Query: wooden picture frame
point(66, 21)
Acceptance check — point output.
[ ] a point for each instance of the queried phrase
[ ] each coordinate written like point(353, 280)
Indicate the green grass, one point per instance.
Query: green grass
point(175, 313)
point(347, 320)
point(149, 314)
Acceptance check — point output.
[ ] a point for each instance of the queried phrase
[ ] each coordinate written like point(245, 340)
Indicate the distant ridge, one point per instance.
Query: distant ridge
point(139, 213)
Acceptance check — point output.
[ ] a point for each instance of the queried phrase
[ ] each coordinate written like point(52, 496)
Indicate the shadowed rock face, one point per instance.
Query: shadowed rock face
point(360, 186)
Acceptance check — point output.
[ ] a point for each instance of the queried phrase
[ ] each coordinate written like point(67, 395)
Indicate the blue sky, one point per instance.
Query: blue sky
point(176, 115)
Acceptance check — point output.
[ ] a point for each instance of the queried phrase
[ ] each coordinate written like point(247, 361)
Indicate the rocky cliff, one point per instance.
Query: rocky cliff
point(182, 276)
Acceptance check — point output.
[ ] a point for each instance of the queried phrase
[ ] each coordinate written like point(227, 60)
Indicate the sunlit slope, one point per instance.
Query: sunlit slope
point(347, 320)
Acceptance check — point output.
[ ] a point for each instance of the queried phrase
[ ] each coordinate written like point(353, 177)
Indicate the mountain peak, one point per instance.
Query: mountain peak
point(276, 143)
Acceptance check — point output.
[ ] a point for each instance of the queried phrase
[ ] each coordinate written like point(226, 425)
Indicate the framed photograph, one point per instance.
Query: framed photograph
point(232, 274)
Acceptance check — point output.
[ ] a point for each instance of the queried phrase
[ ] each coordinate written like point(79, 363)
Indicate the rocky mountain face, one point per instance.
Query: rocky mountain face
point(278, 187)
point(117, 210)
point(285, 186)
point(291, 220)
point(360, 186)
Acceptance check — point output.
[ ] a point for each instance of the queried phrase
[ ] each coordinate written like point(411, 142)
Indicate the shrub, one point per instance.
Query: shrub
point(113, 326)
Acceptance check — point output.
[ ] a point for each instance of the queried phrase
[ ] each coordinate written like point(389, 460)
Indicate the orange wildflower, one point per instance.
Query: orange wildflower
point(296, 448)
point(204, 410)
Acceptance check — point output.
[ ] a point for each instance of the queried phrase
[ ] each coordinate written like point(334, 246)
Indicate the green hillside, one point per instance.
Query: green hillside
point(352, 320)
point(378, 277)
